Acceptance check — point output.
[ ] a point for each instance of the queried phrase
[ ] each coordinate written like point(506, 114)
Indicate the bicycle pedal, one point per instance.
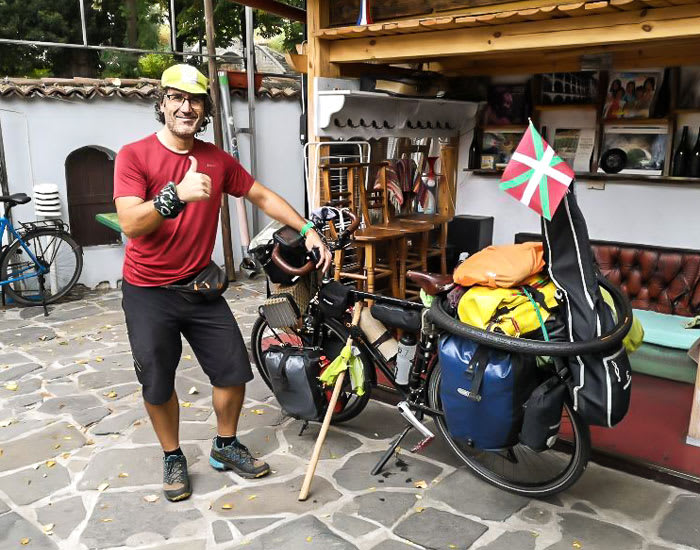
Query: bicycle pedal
point(422, 444)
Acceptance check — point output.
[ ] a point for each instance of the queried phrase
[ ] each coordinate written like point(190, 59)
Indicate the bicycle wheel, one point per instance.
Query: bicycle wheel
point(333, 338)
point(57, 251)
point(520, 469)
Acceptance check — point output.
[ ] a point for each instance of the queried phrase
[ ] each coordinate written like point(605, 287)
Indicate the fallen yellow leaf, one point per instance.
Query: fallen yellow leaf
point(12, 386)
point(186, 404)
point(451, 546)
point(24, 541)
point(6, 423)
point(188, 357)
point(123, 474)
point(308, 539)
point(66, 437)
point(57, 446)
point(81, 361)
point(99, 359)
point(227, 506)
point(419, 509)
point(420, 484)
point(258, 411)
point(50, 463)
point(65, 455)
point(252, 497)
point(107, 520)
point(112, 394)
point(102, 486)
point(48, 527)
point(577, 544)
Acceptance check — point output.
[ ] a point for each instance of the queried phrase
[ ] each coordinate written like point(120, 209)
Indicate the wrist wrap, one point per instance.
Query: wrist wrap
point(166, 202)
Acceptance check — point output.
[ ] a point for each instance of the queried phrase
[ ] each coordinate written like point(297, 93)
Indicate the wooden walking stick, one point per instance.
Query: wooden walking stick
point(304, 493)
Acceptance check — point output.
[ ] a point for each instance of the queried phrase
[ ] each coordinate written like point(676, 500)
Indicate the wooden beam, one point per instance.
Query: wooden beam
point(226, 241)
point(614, 28)
point(277, 8)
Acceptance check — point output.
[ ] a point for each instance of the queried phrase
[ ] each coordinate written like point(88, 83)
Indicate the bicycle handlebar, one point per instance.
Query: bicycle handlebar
point(309, 266)
point(603, 343)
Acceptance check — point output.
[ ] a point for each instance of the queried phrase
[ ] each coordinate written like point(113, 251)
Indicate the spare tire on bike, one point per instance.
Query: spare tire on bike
point(294, 376)
point(483, 391)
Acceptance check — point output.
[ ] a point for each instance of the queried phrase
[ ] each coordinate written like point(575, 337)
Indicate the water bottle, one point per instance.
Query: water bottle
point(404, 358)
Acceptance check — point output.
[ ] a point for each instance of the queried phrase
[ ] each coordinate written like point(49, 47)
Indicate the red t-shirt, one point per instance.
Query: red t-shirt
point(181, 246)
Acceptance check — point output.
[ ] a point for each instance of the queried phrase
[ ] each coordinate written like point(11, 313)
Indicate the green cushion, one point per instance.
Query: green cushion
point(666, 330)
point(109, 219)
point(673, 364)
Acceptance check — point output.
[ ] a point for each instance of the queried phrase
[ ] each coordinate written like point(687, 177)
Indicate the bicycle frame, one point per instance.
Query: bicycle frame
point(6, 225)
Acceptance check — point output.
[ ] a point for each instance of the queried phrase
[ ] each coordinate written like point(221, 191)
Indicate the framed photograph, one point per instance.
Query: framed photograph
point(506, 104)
point(634, 150)
point(500, 145)
point(569, 88)
point(632, 94)
point(689, 96)
point(575, 147)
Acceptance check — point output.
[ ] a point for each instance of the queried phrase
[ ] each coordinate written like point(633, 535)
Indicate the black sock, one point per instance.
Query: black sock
point(222, 441)
point(176, 452)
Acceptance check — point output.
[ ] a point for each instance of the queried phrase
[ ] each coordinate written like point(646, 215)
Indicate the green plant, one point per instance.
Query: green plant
point(152, 65)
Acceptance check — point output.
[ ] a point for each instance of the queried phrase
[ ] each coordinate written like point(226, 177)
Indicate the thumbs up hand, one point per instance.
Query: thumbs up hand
point(194, 186)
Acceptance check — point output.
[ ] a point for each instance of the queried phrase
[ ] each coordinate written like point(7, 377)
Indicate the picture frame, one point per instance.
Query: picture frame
point(572, 88)
point(499, 143)
point(632, 94)
point(644, 147)
point(506, 104)
point(575, 147)
point(689, 94)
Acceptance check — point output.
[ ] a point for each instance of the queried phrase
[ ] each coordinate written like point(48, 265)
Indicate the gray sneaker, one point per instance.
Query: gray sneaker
point(237, 457)
point(176, 481)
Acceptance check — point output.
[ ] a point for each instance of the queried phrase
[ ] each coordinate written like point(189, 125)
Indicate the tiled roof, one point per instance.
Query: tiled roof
point(273, 87)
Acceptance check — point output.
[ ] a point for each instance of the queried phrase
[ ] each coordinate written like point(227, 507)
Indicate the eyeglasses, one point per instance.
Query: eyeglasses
point(178, 100)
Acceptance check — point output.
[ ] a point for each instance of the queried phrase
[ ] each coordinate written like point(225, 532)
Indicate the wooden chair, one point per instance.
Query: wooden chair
point(360, 262)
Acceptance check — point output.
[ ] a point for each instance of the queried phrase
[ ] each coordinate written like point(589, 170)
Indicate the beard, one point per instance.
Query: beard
point(183, 128)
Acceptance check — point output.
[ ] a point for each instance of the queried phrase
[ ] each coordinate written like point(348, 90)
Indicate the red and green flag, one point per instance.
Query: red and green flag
point(536, 176)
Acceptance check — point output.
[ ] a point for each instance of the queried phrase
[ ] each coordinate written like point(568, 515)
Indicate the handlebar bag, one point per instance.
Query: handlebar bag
point(483, 391)
point(600, 384)
point(294, 376)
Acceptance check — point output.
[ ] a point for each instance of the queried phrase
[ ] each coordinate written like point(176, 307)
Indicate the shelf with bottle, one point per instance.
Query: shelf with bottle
point(608, 178)
point(686, 159)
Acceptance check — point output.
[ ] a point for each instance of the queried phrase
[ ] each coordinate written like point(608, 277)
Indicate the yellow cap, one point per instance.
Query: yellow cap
point(186, 78)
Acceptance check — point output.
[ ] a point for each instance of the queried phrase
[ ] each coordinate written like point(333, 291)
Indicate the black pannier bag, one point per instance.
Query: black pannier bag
point(600, 384)
point(542, 416)
point(294, 376)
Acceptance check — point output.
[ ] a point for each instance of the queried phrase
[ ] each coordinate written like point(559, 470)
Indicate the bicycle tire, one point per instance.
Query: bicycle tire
point(610, 340)
point(15, 258)
point(485, 464)
point(356, 404)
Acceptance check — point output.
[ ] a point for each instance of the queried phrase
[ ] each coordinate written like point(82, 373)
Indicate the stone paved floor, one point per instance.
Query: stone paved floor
point(80, 467)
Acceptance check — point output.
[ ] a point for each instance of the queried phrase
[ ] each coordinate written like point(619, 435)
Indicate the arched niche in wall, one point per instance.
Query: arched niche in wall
point(90, 184)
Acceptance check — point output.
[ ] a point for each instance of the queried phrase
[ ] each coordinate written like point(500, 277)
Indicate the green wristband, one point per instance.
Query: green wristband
point(304, 230)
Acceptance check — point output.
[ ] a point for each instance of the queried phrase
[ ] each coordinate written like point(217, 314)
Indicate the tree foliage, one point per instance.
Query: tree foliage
point(134, 23)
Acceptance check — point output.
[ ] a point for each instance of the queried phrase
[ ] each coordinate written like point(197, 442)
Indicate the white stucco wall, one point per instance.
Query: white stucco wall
point(630, 211)
point(39, 134)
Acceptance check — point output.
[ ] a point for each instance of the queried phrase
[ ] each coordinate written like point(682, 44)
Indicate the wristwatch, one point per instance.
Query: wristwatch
point(167, 203)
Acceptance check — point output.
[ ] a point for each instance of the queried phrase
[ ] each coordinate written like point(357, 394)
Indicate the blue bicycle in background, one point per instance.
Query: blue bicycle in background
point(41, 261)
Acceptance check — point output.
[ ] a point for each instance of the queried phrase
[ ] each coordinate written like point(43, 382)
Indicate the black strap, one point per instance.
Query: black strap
point(286, 352)
point(476, 369)
point(385, 337)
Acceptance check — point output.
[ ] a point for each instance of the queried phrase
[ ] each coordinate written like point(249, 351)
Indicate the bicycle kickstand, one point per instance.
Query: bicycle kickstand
point(43, 295)
point(387, 455)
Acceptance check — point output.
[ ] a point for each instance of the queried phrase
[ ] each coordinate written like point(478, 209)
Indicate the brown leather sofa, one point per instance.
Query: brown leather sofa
point(655, 278)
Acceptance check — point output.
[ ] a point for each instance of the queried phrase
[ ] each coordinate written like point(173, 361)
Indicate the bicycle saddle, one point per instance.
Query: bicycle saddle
point(16, 198)
point(432, 283)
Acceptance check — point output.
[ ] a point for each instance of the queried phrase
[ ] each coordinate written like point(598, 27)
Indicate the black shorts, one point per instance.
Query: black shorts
point(155, 319)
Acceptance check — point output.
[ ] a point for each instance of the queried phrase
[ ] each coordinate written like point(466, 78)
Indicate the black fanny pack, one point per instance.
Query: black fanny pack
point(205, 286)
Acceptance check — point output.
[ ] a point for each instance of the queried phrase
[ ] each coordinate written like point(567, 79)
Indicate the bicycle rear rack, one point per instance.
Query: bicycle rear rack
point(57, 224)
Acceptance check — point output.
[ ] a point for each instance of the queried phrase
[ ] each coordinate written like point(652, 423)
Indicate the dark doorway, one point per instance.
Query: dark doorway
point(90, 183)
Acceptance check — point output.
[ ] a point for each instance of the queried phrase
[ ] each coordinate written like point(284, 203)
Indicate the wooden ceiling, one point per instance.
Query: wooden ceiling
point(637, 33)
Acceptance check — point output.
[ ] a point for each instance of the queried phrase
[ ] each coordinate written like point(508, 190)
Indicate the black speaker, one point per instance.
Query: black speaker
point(467, 234)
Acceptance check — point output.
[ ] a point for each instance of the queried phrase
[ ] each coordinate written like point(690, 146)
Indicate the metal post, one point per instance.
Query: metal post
point(173, 27)
point(218, 138)
point(250, 70)
point(82, 21)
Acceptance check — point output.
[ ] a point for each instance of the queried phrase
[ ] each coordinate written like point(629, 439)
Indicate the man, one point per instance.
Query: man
point(167, 190)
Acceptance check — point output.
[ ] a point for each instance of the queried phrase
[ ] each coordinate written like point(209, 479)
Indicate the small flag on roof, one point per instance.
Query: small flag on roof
point(536, 176)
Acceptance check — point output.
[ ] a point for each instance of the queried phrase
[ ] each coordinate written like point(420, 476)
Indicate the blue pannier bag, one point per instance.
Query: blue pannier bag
point(483, 391)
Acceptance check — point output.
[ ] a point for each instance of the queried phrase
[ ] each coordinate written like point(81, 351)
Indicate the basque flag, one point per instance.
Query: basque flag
point(365, 17)
point(536, 176)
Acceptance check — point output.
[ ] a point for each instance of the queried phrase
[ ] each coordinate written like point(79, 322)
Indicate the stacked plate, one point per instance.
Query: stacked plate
point(47, 202)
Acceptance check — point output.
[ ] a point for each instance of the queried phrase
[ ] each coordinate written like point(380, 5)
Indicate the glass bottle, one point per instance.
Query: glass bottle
point(694, 160)
point(475, 152)
point(680, 158)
